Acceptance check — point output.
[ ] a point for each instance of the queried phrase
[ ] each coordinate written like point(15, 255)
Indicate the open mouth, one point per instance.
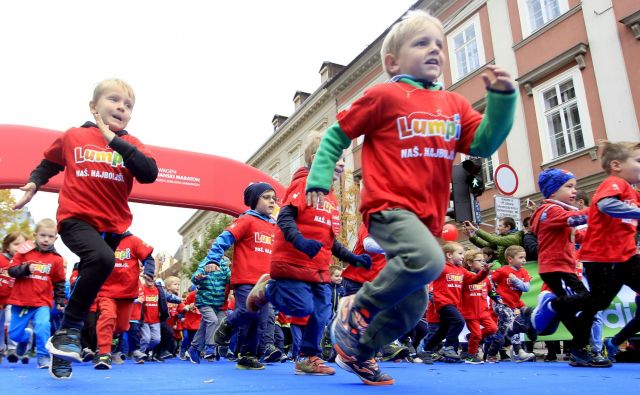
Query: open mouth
point(117, 117)
point(432, 62)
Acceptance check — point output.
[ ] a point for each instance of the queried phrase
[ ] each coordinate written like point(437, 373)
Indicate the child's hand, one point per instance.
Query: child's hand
point(29, 190)
point(315, 198)
point(211, 267)
point(200, 276)
point(106, 132)
point(503, 81)
point(512, 276)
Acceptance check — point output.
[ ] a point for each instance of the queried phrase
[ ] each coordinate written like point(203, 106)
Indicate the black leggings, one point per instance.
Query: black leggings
point(567, 305)
point(451, 324)
point(97, 259)
point(606, 280)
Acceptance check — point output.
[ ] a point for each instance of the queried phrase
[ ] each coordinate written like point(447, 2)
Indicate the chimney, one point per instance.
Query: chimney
point(299, 98)
point(329, 70)
point(277, 121)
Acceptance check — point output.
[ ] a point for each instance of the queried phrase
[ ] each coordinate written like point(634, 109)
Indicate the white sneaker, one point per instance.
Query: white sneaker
point(523, 356)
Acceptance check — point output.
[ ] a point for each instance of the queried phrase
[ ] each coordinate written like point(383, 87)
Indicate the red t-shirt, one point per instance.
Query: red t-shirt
point(316, 223)
point(252, 249)
point(36, 289)
point(151, 308)
point(610, 239)
point(96, 184)
point(411, 140)
point(124, 279)
point(510, 295)
point(6, 281)
point(136, 311)
point(447, 288)
point(360, 274)
point(556, 251)
point(475, 300)
point(193, 317)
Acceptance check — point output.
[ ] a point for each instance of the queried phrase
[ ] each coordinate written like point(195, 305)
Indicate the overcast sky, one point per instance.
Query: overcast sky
point(208, 75)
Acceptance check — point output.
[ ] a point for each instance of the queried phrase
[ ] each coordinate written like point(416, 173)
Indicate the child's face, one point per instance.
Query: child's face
point(114, 106)
point(174, 288)
point(517, 261)
point(629, 170)
point(13, 246)
point(478, 262)
point(566, 193)
point(337, 171)
point(266, 202)
point(336, 277)
point(420, 56)
point(45, 237)
point(457, 256)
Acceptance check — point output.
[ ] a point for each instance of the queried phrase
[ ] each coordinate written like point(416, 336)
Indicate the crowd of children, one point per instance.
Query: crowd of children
point(399, 282)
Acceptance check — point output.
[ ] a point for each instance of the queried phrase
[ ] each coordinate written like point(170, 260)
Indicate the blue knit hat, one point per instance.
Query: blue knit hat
point(551, 180)
point(253, 192)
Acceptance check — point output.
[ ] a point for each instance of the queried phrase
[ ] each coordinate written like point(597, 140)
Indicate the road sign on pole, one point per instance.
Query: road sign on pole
point(506, 179)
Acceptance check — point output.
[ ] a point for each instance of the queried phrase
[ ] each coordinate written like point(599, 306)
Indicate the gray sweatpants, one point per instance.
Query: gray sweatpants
point(208, 325)
point(397, 297)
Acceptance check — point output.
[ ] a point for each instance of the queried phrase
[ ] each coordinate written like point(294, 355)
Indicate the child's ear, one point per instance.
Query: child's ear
point(92, 106)
point(615, 165)
point(391, 64)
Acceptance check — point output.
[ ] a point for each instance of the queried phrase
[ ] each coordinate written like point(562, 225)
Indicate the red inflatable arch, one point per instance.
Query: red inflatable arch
point(186, 179)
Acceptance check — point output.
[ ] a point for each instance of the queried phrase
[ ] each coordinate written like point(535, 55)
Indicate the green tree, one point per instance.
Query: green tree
point(12, 220)
point(200, 250)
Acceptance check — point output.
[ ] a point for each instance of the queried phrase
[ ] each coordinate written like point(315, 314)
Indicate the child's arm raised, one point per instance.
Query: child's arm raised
point(498, 117)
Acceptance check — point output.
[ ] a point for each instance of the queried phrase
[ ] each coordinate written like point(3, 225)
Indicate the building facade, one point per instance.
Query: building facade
point(575, 63)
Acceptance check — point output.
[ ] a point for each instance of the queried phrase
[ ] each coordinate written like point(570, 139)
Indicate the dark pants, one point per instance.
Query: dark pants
point(247, 324)
point(606, 280)
point(88, 336)
point(451, 324)
point(268, 332)
point(301, 299)
point(350, 287)
point(567, 305)
point(167, 344)
point(97, 259)
point(133, 336)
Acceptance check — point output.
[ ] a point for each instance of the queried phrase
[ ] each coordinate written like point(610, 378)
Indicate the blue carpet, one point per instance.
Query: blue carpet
point(179, 377)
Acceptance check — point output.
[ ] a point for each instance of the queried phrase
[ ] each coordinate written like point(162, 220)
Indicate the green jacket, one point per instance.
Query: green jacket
point(497, 242)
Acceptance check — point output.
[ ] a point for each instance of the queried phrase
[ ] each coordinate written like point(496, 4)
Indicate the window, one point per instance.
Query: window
point(466, 49)
point(294, 160)
point(563, 119)
point(274, 172)
point(537, 13)
point(488, 168)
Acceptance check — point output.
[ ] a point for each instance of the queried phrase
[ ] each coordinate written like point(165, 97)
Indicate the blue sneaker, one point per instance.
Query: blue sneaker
point(544, 319)
point(65, 344)
point(210, 353)
point(193, 355)
point(612, 349)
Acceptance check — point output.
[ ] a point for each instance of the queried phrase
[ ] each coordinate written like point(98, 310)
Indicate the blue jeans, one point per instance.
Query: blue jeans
point(20, 317)
point(249, 326)
point(301, 299)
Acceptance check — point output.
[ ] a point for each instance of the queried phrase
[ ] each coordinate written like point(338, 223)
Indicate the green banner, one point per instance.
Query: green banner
point(621, 310)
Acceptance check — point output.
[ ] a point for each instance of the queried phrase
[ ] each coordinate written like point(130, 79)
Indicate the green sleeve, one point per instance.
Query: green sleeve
point(333, 143)
point(478, 242)
point(496, 124)
point(501, 240)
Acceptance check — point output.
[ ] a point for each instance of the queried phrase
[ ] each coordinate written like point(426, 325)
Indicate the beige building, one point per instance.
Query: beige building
point(576, 64)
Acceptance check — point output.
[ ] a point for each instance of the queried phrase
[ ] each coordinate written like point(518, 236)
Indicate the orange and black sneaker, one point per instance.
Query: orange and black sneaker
point(368, 371)
point(347, 327)
point(314, 366)
point(257, 297)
